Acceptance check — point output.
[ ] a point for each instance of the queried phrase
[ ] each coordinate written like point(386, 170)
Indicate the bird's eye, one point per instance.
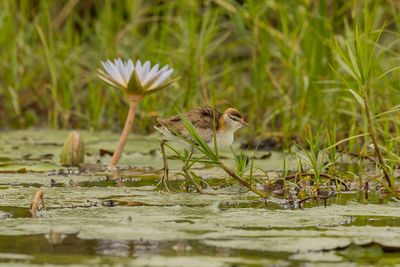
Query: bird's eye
point(237, 115)
point(233, 117)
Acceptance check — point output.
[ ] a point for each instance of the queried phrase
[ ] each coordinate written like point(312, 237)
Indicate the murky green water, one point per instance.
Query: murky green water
point(92, 219)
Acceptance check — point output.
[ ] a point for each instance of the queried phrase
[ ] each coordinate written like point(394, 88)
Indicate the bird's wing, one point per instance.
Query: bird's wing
point(201, 118)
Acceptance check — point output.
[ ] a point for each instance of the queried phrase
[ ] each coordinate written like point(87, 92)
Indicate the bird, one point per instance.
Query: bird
point(202, 118)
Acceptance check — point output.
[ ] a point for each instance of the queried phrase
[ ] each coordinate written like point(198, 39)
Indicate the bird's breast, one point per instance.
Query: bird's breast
point(224, 140)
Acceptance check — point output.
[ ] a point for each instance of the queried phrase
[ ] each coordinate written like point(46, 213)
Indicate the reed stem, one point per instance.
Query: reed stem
point(374, 140)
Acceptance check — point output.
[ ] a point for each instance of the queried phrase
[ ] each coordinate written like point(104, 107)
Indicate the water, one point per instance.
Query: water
point(90, 218)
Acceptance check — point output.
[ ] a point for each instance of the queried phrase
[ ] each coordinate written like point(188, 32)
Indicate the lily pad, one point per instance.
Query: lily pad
point(20, 168)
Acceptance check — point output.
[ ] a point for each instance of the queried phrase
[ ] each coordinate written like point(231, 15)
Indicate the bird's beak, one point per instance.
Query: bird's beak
point(245, 123)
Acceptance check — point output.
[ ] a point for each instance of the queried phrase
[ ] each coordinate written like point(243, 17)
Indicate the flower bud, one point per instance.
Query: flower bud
point(73, 152)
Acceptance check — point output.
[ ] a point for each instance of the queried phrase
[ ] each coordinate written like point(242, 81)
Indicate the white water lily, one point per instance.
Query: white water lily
point(136, 79)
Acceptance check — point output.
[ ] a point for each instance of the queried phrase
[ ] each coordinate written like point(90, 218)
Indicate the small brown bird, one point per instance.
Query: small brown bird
point(202, 118)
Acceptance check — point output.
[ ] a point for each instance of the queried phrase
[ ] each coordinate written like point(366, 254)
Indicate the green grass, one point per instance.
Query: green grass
point(269, 59)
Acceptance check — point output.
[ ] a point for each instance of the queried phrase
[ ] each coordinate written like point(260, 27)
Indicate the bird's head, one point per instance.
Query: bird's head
point(234, 119)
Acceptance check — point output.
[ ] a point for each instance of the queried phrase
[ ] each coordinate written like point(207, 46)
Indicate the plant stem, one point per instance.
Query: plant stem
point(133, 103)
point(35, 204)
point(373, 134)
point(240, 180)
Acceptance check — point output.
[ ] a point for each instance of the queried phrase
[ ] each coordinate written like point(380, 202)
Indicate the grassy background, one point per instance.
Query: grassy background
point(269, 59)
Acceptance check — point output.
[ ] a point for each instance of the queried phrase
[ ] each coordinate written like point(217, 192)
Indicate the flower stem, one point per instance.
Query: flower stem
point(133, 103)
point(241, 180)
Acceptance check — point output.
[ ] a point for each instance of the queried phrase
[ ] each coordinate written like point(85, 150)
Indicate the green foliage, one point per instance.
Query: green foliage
point(314, 155)
point(269, 59)
point(198, 143)
point(241, 162)
point(357, 59)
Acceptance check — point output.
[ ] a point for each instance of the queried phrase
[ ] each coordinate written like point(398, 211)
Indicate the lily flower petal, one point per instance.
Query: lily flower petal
point(119, 74)
point(129, 68)
point(138, 68)
point(113, 72)
point(161, 79)
point(145, 71)
point(119, 65)
point(152, 73)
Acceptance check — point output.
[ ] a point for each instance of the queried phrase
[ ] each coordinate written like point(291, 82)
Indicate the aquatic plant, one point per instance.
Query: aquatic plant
point(136, 81)
point(317, 164)
point(212, 155)
point(357, 60)
point(73, 151)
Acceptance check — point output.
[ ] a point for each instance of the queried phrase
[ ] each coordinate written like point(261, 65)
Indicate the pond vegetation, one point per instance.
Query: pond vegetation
point(127, 220)
point(314, 181)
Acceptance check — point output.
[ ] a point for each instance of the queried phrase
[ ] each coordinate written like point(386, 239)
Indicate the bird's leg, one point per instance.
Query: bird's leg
point(165, 179)
point(188, 176)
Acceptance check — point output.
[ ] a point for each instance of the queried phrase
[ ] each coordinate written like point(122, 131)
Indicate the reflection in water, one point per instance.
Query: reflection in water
point(146, 248)
point(67, 246)
point(122, 248)
point(54, 238)
point(182, 246)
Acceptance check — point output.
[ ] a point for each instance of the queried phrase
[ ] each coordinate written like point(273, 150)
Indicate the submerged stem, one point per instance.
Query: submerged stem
point(134, 101)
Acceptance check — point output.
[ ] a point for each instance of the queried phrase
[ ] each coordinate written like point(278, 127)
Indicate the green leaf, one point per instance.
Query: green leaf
point(353, 61)
point(344, 61)
point(360, 56)
point(199, 144)
point(346, 68)
point(340, 76)
point(357, 97)
point(371, 55)
point(346, 139)
point(383, 75)
point(393, 109)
